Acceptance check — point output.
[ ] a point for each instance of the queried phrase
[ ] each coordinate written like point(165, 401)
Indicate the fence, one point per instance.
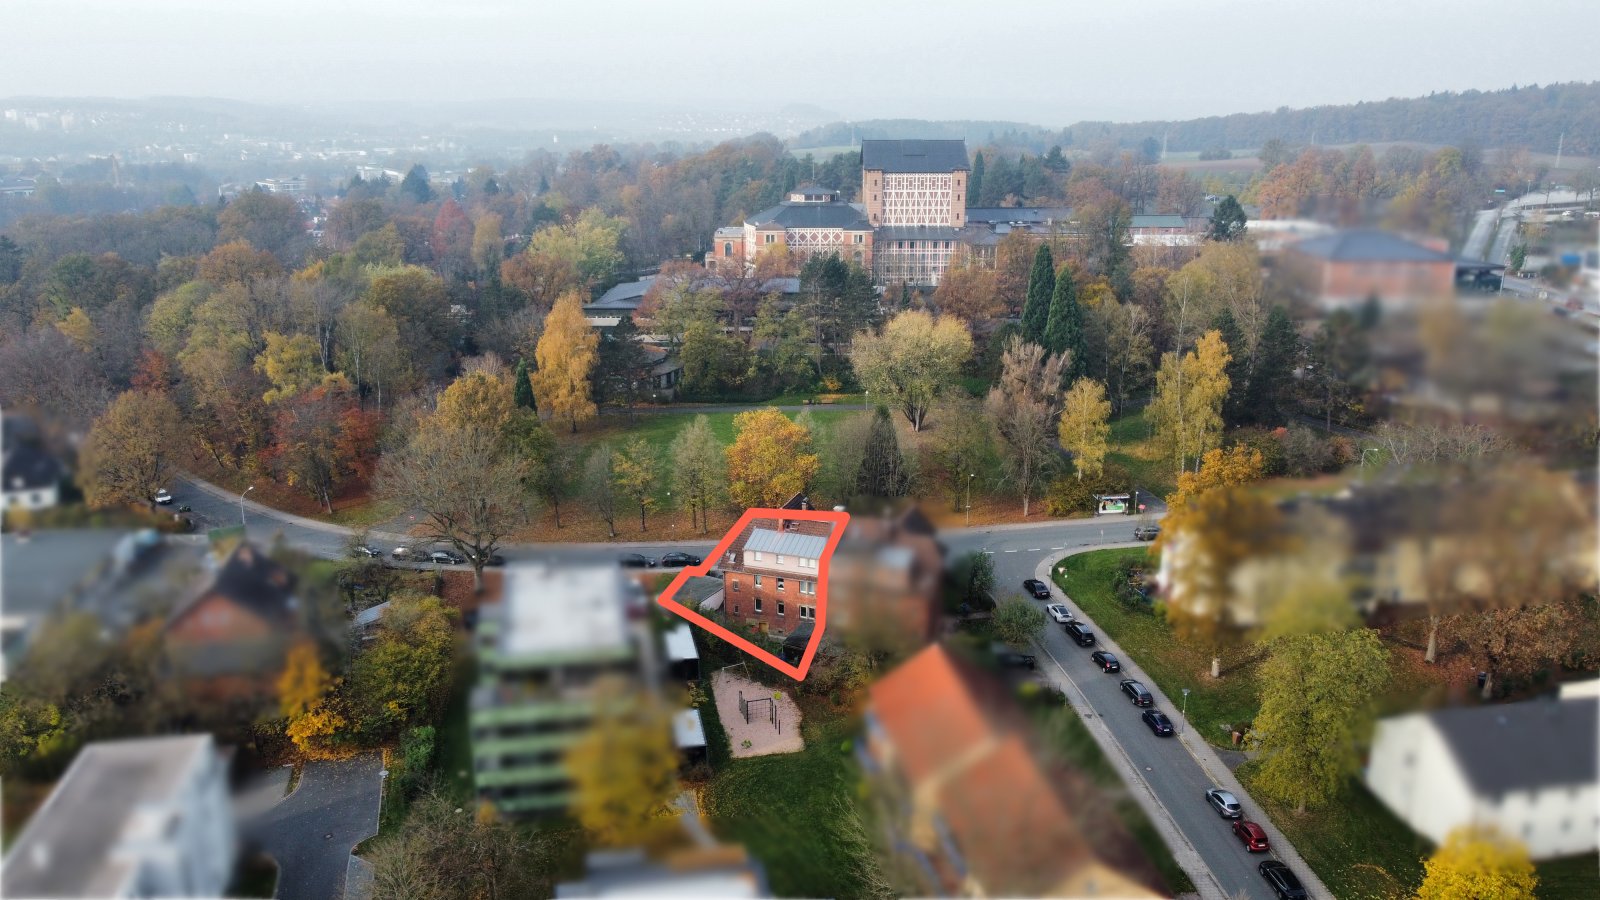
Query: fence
point(746, 707)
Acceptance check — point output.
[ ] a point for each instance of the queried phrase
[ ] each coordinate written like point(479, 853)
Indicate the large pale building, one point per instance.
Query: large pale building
point(811, 221)
point(915, 195)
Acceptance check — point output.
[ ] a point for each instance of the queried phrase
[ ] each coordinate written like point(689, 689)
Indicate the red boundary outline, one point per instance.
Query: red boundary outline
point(798, 673)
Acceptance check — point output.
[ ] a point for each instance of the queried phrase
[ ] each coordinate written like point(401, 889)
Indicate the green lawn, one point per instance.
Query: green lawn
point(1130, 448)
point(795, 812)
point(1214, 705)
point(1066, 734)
point(1576, 877)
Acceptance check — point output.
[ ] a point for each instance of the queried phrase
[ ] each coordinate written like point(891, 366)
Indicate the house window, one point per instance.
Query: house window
point(736, 609)
point(780, 585)
point(771, 238)
point(727, 248)
point(780, 559)
point(758, 604)
point(808, 612)
point(860, 238)
point(755, 555)
point(736, 582)
point(780, 607)
point(758, 581)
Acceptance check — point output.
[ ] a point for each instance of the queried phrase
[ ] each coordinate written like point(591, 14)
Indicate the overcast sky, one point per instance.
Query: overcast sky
point(1050, 62)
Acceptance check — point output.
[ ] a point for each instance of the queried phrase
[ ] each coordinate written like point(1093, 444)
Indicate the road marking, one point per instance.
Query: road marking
point(990, 552)
point(1008, 551)
point(1058, 548)
point(1033, 549)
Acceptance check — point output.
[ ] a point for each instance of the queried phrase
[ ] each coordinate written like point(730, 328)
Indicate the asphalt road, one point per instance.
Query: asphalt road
point(1174, 775)
point(312, 831)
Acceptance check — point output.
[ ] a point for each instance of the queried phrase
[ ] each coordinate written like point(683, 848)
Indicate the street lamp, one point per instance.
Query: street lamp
point(1185, 709)
point(1364, 457)
point(241, 504)
point(970, 476)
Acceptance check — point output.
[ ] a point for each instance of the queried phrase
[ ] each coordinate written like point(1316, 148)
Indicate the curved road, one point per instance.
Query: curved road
point(1168, 776)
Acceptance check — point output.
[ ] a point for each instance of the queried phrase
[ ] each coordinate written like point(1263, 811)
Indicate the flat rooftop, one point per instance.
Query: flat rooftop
point(113, 794)
point(565, 610)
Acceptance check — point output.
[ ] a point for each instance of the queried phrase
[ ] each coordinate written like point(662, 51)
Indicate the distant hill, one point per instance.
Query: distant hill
point(1533, 117)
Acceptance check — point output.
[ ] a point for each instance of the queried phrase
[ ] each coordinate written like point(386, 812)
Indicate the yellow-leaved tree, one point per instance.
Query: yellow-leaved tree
point(770, 460)
point(566, 354)
point(624, 768)
point(1187, 410)
point(314, 724)
point(1085, 429)
point(482, 397)
point(1479, 862)
point(291, 363)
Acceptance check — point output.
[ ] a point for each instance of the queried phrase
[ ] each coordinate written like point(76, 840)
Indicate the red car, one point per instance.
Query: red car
point(1253, 836)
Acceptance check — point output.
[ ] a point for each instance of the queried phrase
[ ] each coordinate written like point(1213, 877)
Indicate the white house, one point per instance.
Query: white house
point(138, 818)
point(29, 479)
point(1528, 768)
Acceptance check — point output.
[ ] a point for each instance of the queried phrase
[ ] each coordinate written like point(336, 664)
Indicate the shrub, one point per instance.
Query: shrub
point(1070, 496)
point(1267, 443)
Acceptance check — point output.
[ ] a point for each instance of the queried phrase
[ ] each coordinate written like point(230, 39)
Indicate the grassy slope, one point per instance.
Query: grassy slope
point(1131, 449)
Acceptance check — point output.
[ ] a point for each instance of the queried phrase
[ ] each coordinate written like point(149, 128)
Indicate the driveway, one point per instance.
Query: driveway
point(312, 831)
point(1169, 776)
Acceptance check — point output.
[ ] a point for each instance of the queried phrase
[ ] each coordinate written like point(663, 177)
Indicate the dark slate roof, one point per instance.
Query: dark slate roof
point(1157, 221)
point(1008, 214)
point(1368, 245)
point(1523, 746)
point(29, 468)
point(813, 215)
point(255, 582)
point(914, 156)
point(623, 296)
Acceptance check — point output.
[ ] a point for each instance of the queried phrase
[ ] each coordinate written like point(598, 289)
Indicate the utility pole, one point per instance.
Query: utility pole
point(970, 476)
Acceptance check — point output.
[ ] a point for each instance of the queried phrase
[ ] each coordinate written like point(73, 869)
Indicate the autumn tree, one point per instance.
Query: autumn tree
point(420, 306)
point(1316, 692)
point(961, 446)
point(480, 397)
point(1023, 408)
point(1219, 468)
point(452, 238)
point(401, 676)
point(914, 359)
point(565, 355)
point(237, 262)
point(970, 293)
point(304, 682)
point(440, 852)
point(624, 767)
point(600, 485)
point(1187, 409)
point(590, 246)
point(369, 350)
point(1479, 861)
point(636, 475)
point(1085, 429)
point(291, 364)
point(770, 459)
point(321, 438)
point(466, 487)
point(545, 459)
point(131, 450)
point(1041, 289)
point(699, 470)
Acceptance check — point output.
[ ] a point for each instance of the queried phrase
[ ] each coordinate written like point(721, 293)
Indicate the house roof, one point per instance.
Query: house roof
point(85, 841)
point(1523, 746)
point(812, 215)
point(1157, 221)
point(915, 156)
point(623, 296)
point(687, 730)
point(29, 468)
point(1368, 245)
point(933, 708)
point(1012, 824)
point(564, 612)
point(786, 543)
point(253, 581)
point(1033, 215)
point(680, 643)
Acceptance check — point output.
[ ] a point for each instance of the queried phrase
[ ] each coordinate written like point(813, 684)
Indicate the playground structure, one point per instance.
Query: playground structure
point(759, 720)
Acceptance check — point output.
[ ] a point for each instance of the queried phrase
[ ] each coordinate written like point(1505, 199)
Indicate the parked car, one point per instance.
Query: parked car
point(1037, 588)
point(636, 561)
point(1012, 659)
point(367, 551)
point(447, 558)
point(1106, 661)
point(163, 498)
point(1079, 633)
point(1059, 612)
point(403, 553)
point(1225, 803)
point(494, 559)
point(1146, 532)
point(1283, 882)
point(1137, 693)
point(677, 559)
point(1159, 724)
point(1252, 835)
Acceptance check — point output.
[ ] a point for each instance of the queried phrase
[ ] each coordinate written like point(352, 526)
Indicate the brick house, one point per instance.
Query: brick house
point(770, 573)
point(886, 578)
point(1345, 268)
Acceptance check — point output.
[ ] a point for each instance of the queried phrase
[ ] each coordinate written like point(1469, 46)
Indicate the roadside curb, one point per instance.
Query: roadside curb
point(1198, 748)
point(259, 509)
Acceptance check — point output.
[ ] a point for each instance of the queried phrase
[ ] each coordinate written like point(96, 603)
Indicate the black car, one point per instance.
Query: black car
point(1011, 659)
point(368, 551)
point(1137, 693)
point(446, 558)
point(1106, 661)
point(1158, 722)
point(1037, 588)
point(1146, 532)
point(676, 559)
point(636, 561)
point(1079, 633)
point(493, 559)
point(1284, 883)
